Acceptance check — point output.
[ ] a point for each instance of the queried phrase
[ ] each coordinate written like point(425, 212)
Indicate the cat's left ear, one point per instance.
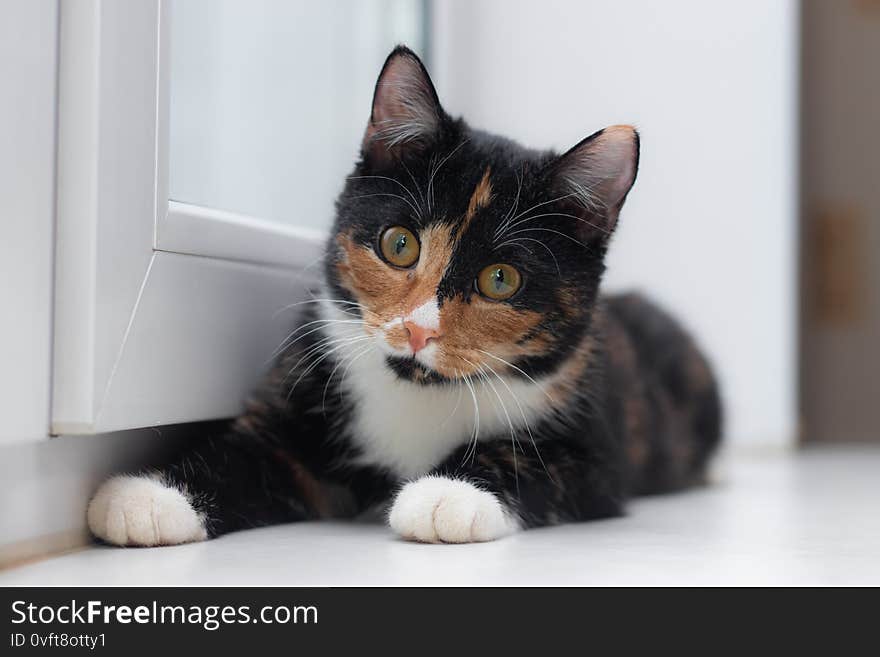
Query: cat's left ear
point(406, 113)
point(595, 176)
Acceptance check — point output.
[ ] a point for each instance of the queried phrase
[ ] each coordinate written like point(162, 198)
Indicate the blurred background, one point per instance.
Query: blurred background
point(755, 217)
point(269, 98)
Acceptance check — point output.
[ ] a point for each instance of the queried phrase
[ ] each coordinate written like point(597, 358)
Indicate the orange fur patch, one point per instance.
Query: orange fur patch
point(568, 379)
point(480, 198)
point(387, 292)
point(569, 301)
point(470, 328)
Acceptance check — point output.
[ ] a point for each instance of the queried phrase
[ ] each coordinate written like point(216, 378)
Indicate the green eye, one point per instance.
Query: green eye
point(399, 246)
point(498, 282)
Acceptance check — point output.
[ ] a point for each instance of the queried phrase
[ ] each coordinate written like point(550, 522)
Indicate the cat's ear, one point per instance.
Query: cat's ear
point(595, 176)
point(406, 113)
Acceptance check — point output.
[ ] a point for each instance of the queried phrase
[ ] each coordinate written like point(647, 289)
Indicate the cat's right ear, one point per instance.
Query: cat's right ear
point(406, 113)
point(594, 177)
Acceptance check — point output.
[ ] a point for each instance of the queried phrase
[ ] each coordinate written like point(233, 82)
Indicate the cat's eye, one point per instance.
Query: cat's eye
point(499, 282)
point(399, 246)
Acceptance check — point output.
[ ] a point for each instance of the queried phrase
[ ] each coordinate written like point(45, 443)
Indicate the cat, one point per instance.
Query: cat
point(459, 364)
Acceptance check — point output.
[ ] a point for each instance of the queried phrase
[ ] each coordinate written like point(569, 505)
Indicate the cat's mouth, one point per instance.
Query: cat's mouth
point(410, 369)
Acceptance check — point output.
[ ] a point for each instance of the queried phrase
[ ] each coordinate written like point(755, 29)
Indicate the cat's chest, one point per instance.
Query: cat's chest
point(409, 429)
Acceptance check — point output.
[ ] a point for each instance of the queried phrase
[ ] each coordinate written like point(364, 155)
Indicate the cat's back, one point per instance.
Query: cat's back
point(671, 403)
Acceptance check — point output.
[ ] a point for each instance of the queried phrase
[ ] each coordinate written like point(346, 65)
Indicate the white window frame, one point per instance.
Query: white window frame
point(28, 55)
point(165, 312)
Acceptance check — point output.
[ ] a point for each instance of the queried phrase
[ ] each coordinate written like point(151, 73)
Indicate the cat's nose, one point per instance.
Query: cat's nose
point(419, 336)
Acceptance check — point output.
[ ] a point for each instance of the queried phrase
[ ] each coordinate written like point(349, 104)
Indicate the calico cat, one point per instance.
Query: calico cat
point(459, 362)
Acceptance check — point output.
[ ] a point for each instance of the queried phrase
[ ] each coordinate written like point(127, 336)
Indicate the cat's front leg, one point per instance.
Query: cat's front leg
point(213, 487)
point(234, 481)
point(505, 487)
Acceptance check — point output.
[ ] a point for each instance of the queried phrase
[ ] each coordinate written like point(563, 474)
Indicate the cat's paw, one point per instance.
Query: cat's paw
point(442, 510)
point(143, 511)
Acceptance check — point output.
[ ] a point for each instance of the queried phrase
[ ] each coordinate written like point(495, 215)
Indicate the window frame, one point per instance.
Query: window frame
point(127, 258)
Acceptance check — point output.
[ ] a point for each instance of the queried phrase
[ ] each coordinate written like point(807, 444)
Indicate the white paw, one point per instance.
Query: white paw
point(143, 511)
point(438, 509)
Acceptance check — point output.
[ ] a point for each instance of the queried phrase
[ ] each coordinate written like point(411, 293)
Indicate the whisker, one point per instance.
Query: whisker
point(323, 344)
point(526, 211)
point(513, 431)
point(561, 214)
point(315, 300)
point(437, 170)
point(513, 439)
point(370, 346)
point(415, 184)
point(549, 230)
point(395, 181)
point(515, 242)
point(323, 322)
point(317, 362)
point(521, 371)
point(416, 213)
point(330, 378)
point(514, 206)
point(532, 239)
point(455, 408)
point(525, 421)
point(470, 385)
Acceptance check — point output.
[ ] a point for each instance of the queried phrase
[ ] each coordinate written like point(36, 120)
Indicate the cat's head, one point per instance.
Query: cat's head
point(463, 251)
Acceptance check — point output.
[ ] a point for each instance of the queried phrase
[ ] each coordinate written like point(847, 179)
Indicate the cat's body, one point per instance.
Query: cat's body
point(471, 376)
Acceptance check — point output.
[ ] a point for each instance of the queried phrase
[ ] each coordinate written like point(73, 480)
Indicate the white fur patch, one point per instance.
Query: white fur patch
point(143, 511)
point(442, 510)
point(427, 315)
point(409, 428)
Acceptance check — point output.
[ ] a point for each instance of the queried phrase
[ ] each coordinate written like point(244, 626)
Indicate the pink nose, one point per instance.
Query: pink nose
point(419, 336)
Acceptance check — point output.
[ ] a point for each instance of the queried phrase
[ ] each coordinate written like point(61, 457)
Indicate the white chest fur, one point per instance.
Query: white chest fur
point(409, 428)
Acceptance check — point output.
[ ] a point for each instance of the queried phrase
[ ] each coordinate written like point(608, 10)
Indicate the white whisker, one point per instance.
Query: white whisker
point(318, 361)
point(548, 230)
point(475, 436)
point(523, 415)
point(455, 408)
point(524, 212)
point(415, 184)
point(560, 214)
point(316, 300)
point(370, 346)
point(513, 438)
point(323, 344)
point(323, 322)
point(515, 242)
point(416, 213)
point(397, 182)
point(333, 371)
point(437, 170)
point(521, 371)
point(532, 239)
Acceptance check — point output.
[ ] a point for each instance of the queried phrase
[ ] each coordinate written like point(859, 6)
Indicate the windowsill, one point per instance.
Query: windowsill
point(802, 518)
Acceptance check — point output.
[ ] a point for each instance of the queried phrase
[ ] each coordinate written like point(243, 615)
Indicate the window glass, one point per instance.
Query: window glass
point(269, 99)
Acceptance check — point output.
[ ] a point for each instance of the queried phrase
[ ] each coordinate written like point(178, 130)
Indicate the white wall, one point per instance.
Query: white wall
point(709, 229)
point(28, 50)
